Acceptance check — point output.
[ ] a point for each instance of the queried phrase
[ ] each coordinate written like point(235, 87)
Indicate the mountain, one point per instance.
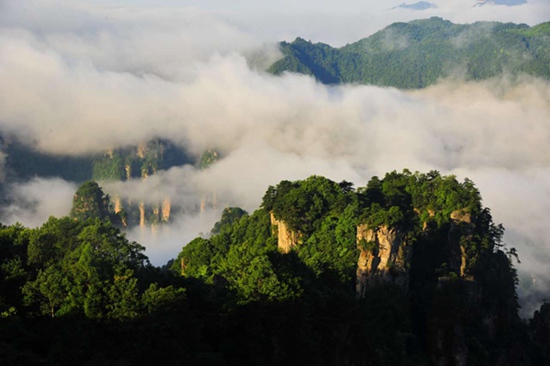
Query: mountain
point(409, 269)
point(121, 163)
point(117, 164)
point(419, 53)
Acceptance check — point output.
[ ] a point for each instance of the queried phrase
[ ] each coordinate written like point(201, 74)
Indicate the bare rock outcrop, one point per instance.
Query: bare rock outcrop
point(461, 228)
point(286, 238)
point(384, 256)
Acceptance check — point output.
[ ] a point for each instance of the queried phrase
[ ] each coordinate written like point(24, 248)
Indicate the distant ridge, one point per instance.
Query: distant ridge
point(417, 54)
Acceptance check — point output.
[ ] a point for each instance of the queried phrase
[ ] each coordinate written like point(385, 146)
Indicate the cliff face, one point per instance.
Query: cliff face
point(286, 238)
point(384, 256)
point(461, 229)
point(440, 254)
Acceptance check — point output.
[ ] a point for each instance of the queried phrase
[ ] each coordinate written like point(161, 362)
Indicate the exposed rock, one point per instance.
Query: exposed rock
point(286, 238)
point(461, 216)
point(128, 170)
point(142, 214)
point(461, 228)
point(166, 210)
point(117, 204)
point(384, 255)
point(141, 149)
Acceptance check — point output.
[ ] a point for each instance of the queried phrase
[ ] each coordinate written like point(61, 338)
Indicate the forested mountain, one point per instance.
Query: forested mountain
point(407, 270)
point(117, 164)
point(418, 53)
point(120, 163)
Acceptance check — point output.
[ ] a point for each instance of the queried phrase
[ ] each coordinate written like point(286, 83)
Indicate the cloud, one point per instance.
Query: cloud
point(519, 199)
point(85, 77)
point(164, 243)
point(33, 202)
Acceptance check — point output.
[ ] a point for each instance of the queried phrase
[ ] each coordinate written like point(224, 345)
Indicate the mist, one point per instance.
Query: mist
point(79, 78)
point(33, 202)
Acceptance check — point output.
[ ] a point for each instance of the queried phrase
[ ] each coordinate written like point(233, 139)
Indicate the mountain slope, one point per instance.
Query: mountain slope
point(418, 53)
point(409, 259)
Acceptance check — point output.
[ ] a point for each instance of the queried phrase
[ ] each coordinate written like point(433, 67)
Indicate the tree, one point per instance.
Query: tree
point(89, 201)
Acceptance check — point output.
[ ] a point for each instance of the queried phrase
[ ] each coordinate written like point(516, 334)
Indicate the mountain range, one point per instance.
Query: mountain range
point(421, 52)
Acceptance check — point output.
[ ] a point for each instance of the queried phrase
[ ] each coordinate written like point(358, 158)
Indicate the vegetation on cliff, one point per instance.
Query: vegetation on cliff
point(77, 291)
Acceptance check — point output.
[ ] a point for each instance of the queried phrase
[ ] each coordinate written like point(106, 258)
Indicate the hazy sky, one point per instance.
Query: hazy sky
point(79, 77)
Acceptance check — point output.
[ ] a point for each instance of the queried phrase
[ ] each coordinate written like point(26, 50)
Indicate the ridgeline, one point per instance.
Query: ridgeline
point(419, 53)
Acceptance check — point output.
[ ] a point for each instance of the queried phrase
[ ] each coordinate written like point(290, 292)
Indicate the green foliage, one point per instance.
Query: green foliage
point(89, 202)
point(111, 167)
point(75, 266)
point(333, 249)
point(159, 299)
point(77, 291)
point(139, 161)
point(419, 53)
point(302, 205)
point(252, 275)
point(402, 199)
point(208, 158)
point(118, 164)
point(229, 216)
point(195, 258)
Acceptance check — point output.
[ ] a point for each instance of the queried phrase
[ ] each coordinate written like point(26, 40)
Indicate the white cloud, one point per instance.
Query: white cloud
point(33, 202)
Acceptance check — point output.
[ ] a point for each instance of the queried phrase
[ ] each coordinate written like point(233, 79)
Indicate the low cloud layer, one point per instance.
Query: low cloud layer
point(86, 77)
point(33, 202)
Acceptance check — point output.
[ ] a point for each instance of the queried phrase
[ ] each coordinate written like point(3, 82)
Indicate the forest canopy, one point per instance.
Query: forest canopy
point(408, 268)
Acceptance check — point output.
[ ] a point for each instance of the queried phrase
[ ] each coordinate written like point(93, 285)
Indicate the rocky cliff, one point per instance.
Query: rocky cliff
point(286, 238)
point(440, 253)
point(384, 256)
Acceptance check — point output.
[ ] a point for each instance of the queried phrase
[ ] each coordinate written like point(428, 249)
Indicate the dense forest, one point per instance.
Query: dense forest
point(419, 53)
point(409, 269)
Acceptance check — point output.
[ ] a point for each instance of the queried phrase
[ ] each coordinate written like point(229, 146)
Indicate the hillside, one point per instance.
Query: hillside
point(418, 53)
point(408, 270)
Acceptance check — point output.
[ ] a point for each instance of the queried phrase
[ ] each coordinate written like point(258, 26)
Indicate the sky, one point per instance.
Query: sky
point(79, 77)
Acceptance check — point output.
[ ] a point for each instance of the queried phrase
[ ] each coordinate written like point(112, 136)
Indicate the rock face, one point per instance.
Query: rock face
point(142, 215)
point(384, 256)
point(166, 207)
point(286, 238)
point(461, 228)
